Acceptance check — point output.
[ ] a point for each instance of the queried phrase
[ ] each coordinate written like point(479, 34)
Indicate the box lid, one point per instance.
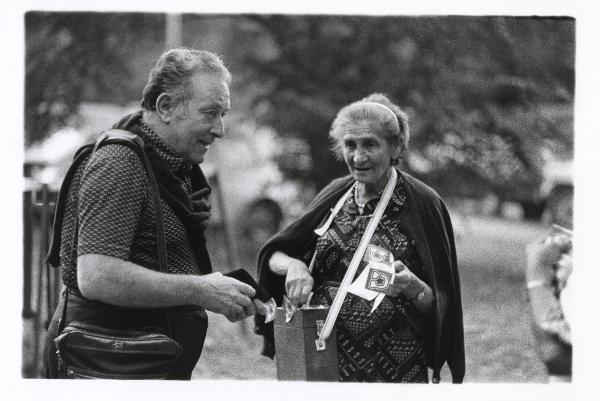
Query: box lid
point(303, 318)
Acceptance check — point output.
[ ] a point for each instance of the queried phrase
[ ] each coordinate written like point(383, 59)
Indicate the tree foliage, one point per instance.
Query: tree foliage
point(476, 88)
point(72, 57)
point(485, 94)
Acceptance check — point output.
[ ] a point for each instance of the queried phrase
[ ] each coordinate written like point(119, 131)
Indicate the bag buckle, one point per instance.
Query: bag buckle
point(320, 343)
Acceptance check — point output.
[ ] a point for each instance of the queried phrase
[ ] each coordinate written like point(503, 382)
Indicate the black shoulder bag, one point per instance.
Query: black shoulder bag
point(89, 351)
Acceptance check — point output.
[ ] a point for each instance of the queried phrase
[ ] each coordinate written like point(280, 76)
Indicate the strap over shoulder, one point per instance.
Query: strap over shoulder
point(111, 136)
point(117, 135)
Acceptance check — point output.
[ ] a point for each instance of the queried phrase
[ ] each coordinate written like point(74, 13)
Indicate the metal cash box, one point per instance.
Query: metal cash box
point(296, 353)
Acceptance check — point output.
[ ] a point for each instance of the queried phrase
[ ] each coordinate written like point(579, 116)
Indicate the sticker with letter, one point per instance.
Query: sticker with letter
point(379, 280)
point(376, 278)
point(359, 286)
point(377, 254)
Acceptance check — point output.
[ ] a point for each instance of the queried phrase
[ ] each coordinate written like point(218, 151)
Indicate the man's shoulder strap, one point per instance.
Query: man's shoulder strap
point(127, 138)
point(118, 136)
point(112, 136)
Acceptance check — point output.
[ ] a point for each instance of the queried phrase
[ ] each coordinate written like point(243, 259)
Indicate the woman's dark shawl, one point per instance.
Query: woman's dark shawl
point(427, 221)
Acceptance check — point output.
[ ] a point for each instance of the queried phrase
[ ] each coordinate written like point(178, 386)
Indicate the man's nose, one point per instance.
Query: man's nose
point(218, 128)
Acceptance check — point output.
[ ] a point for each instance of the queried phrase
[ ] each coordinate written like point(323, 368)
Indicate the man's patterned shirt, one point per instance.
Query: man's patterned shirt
point(112, 194)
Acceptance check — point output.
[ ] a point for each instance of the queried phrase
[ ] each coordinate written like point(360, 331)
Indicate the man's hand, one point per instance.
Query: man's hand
point(227, 296)
point(122, 283)
point(298, 282)
point(260, 306)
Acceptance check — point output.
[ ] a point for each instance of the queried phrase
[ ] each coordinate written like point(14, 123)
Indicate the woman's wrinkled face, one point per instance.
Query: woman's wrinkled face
point(367, 153)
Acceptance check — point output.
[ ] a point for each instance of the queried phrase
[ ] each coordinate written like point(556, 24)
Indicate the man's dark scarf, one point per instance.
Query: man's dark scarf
point(170, 188)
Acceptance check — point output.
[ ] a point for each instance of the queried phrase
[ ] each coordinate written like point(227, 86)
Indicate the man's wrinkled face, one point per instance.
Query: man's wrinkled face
point(197, 122)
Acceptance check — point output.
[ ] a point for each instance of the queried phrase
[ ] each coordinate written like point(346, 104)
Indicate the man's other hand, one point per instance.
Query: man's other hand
point(227, 296)
point(260, 306)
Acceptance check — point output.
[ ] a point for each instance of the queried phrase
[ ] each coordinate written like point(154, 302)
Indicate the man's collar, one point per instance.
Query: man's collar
point(174, 160)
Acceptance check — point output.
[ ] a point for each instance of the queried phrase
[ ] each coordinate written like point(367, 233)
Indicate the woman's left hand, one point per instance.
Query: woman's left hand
point(403, 278)
point(412, 287)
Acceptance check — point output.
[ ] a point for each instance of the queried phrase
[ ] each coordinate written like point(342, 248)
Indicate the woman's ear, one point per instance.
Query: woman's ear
point(164, 107)
point(398, 152)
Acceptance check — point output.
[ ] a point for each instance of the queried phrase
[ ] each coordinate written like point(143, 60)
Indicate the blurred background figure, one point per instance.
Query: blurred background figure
point(549, 267)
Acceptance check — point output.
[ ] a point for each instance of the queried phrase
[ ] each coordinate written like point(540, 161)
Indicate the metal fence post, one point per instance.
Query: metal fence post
point(38, 310)
point(27, 311)
point(45, 224)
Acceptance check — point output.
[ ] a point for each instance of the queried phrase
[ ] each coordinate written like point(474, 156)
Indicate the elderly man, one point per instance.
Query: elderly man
point(107, 242)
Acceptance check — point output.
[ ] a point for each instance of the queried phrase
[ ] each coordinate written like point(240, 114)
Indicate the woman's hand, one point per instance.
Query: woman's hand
point(298, 282)
point(411, 286)
point(403, 279)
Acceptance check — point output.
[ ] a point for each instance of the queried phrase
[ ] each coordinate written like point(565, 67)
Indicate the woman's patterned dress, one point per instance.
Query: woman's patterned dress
point(387, 345)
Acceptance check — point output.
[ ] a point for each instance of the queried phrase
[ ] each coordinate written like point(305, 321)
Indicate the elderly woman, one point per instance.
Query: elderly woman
point(418, 324)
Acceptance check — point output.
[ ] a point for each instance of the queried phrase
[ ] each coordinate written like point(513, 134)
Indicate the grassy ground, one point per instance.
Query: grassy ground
point(498, 343)
point(499, 346)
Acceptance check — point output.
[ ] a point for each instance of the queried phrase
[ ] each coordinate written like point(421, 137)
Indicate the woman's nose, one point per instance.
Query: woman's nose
point(359, 156)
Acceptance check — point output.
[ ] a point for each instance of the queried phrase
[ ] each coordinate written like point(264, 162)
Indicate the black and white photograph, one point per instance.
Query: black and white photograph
point(269, 202)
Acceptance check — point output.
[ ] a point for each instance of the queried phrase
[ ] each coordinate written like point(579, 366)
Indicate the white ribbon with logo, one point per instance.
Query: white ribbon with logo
point(377, 276)
point(336, 305)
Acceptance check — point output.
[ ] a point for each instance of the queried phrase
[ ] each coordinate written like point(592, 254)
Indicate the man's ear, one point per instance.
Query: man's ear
point(164, 107)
